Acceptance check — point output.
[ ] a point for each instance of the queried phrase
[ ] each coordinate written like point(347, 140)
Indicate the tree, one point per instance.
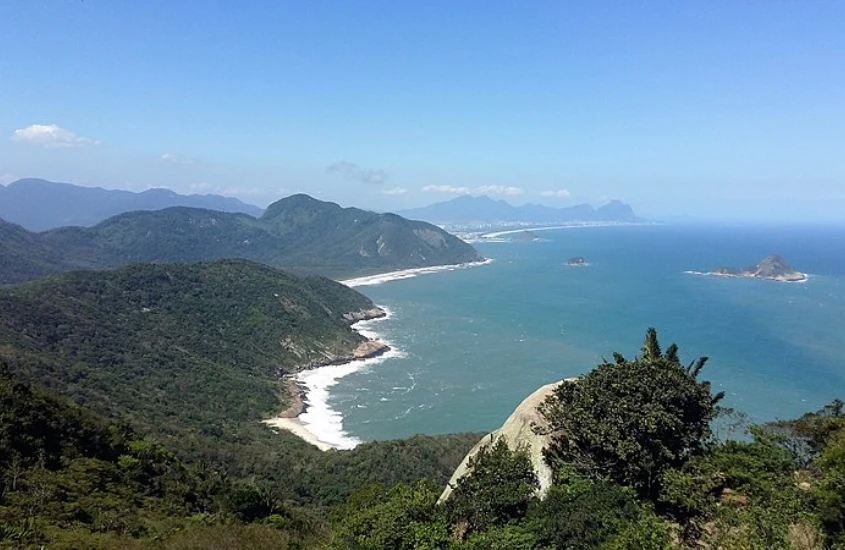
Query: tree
point(496, 490)
point(582, 516)
point(630, 420)
point(404, 518)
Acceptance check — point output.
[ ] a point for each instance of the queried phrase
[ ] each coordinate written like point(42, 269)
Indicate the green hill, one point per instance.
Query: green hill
point(184, 351)
point(298, 233)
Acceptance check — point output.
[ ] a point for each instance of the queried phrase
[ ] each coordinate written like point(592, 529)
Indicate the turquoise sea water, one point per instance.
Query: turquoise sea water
point(475, 342)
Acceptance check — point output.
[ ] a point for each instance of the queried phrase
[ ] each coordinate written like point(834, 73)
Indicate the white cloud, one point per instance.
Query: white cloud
point(6, 179)
point(50, 135)
point(480, 190)
point(176, 159)
point(610, 198)
point(206, 188)
point(446, 189)
point(395, 191)
point(352, 171)
point(558, 193)
point(498, 190)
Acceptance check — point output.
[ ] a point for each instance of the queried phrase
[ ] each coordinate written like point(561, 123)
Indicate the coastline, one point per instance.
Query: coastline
point(401, 274)
point(485, 237)
point(309, 415)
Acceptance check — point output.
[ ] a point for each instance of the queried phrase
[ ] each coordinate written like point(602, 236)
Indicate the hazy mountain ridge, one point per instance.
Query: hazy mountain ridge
point(297, 233)
point(38, 204)
point(467, 210)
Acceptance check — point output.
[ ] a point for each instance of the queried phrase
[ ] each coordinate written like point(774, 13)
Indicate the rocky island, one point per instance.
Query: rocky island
point(578, 261)
point(772, 267)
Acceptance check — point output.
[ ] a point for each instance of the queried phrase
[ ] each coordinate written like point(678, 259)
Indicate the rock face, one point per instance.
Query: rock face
point(364, 350)
point(772, 267)
point(519, 432)
point(365, 314)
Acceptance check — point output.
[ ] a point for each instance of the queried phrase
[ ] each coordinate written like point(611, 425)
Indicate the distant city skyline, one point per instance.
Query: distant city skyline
point(683, 110)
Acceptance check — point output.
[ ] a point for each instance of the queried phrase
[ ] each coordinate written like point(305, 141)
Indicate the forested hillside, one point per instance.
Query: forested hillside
point(185, 351)
point(71, 480)
point(298, 233)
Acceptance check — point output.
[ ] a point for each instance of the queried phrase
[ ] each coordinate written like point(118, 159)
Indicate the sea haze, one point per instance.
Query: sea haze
point(473, 343)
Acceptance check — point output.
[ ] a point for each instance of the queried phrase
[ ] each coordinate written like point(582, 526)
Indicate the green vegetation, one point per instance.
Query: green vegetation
point(629, 421)
point(187, 353)
point(70, 479)
point(170, 368)
point(297, 233)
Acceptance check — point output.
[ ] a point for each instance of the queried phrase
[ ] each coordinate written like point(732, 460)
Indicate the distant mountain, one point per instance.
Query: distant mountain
point(298, 233)
point(468, 210)
point(38, 204)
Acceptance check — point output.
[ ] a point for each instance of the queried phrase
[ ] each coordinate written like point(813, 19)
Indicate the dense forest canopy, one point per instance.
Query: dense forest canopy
point(184, 351)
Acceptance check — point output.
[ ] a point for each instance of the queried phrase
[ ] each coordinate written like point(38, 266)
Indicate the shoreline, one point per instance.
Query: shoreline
point(401, 274)
point(308, 415)
point(495, 234)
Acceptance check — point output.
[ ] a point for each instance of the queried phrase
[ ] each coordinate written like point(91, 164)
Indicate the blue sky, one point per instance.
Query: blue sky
point(706, 109)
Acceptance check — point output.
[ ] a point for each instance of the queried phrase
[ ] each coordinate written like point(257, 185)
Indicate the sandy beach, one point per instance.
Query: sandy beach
point(409, 273)
point(302, 397)
point(309, 413)
point(298, 428)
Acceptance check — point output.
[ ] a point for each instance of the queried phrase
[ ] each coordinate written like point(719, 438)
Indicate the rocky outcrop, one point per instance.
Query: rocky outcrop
point(365, 350)
point(524, 429)
point(772, 267)
point(365, 314)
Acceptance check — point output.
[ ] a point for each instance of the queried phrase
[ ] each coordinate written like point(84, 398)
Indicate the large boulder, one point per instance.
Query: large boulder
point(525, 429)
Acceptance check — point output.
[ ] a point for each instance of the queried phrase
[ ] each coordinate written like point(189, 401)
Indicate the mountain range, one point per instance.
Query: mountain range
point(38, 204)
point(469, 210)
point(297, 233)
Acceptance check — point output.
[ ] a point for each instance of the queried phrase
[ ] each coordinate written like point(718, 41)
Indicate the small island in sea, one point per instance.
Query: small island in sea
point(772, 267)
point(578, 261)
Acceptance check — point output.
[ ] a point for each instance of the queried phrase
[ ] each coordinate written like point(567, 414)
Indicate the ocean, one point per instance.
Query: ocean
point(470, 344)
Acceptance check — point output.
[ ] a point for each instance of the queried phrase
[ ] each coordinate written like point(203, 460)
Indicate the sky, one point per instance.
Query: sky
point(722, 109)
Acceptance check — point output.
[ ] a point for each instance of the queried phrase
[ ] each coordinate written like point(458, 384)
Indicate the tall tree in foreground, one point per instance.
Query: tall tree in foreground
point(495, 492)
point(630, 420)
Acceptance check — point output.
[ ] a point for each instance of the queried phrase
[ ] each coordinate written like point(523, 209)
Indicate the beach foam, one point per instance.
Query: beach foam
point(409, 273)
point(320, 419)
point(726, 276)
